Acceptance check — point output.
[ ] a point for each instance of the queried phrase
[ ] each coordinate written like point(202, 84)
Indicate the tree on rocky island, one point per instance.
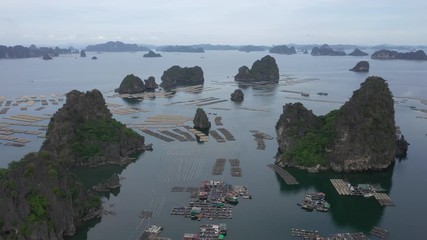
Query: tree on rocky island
point(388, 55)
point(131, 84)
point(150, 83)
point(358, 53)
point(151, 54)
point(115, 47)
point(359, 136)
point(177, 75)
point(40, 197)
point(237, 96)
point(283, 49)
point(326, 50)
point(83, 133)
point(362, 66)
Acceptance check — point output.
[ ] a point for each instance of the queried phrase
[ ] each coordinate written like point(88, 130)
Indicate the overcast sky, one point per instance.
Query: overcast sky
point(237, 22)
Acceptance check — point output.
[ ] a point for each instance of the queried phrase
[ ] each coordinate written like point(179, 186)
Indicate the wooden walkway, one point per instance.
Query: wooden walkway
point(383, 199)
point(340, 186)
point(287, 177)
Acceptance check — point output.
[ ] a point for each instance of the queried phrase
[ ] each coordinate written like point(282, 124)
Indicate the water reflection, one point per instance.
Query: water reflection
point(91, 176)
point(133, 101)
point(83, 230)
point(357, 212)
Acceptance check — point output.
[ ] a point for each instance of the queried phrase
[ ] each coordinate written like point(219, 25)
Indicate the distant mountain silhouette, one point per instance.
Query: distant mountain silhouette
point(115, 47)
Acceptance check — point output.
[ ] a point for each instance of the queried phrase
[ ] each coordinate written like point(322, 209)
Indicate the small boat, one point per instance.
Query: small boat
point(307, 207)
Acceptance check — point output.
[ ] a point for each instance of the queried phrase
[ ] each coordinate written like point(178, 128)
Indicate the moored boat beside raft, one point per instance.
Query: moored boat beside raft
point(315, 201)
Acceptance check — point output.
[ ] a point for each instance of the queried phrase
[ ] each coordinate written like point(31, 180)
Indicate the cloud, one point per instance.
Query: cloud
point(220, 21)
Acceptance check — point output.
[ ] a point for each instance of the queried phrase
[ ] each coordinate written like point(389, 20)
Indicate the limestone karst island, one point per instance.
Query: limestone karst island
point(210, 141)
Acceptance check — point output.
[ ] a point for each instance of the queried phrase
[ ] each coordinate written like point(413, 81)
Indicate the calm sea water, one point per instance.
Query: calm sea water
point(272, 212)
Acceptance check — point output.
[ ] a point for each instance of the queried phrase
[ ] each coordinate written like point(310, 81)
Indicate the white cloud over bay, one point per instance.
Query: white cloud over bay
point(266, 22)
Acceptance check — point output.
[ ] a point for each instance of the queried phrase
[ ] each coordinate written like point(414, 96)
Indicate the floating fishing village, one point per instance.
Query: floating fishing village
point(195, 162)
point(213, 199)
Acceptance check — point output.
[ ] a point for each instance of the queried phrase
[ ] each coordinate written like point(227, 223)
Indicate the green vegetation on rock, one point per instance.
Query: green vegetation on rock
point(310, 150)
point(88, 140)
point(38, 204)
point(359, 136)
point(264, 69)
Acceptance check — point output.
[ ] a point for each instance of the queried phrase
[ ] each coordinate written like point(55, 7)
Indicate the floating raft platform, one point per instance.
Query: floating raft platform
point(126, 111)
point(381, 233)
point(4, 110)
point(177, 120)
point(341, 186)
point(152, 233)
point(218, 121)
point(234, 162)
point(185, 134)
point(305, 234)
point(212, 102)
point(14, 144)
point(236, 172)
point(157, 135)
point(286, 176)
point(191, 189)
point(202, 137)
point(218, 168)
point(216, 136)
point(25, 118)
point(178, 189)
point(344, 189)
point(146, 214)
point(314, 235)
point(260, 137)
point(207, 211)
point(174, 135)
point(260, 143)
point(228, 136)
point(383, 199)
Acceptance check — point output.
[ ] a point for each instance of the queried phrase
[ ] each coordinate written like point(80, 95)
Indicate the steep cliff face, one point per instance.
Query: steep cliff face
point(262, 70)
point(366, 131)
point(41, 200)
point(295, 122)
point(201, 120)
point(237, 96)
point(176, 75)
point(83, 133)
point(131, 84)
point(359, 136)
